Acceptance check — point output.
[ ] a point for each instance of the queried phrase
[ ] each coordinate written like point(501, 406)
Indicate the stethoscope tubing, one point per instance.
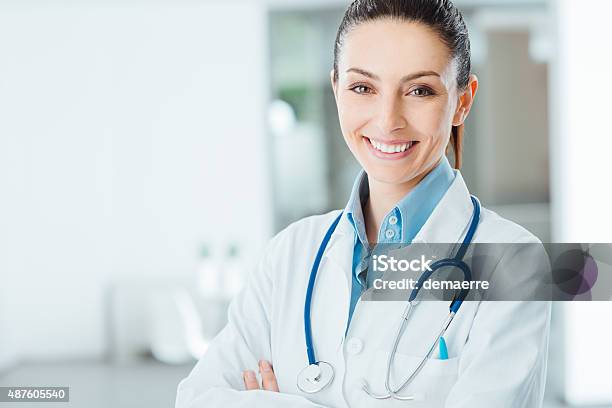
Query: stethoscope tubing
point(311, 281)
point(456, 261)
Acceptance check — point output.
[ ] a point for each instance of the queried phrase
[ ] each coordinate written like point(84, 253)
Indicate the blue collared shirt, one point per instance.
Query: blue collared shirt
point(400, 225)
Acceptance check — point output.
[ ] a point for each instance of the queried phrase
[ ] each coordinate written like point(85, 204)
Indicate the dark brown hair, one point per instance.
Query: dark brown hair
point(440, 15)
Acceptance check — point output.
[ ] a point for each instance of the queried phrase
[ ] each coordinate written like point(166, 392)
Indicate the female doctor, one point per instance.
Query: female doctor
point(402, 83)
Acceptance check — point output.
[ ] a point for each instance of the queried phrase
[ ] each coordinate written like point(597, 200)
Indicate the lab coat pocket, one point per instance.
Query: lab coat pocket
point(429, 387)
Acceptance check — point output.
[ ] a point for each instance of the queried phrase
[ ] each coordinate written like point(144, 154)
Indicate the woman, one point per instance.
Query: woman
point(403, 88)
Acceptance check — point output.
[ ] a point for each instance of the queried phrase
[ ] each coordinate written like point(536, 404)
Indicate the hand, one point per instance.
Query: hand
point(268, 379)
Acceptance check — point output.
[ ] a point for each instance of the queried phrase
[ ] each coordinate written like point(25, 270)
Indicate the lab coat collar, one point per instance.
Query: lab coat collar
point(339, 251)
point(450, 220)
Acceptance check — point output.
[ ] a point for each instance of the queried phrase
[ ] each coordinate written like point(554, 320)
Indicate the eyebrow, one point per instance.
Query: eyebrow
point(405, 78)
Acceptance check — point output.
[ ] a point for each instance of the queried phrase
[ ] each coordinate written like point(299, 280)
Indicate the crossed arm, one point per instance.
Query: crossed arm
point(225, 372)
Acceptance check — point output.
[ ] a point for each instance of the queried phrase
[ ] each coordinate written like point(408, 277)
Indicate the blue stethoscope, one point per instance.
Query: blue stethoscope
point(319, 374)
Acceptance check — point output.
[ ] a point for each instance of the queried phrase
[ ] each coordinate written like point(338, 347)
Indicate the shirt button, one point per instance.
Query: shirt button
point(393, 220)
point(389, 234)
point(354, 346)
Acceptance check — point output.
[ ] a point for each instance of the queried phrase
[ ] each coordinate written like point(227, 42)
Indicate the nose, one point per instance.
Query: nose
point(390, 115)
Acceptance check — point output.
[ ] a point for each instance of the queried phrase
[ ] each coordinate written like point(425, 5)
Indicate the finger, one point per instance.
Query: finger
point(268, 378)
point(250, 381)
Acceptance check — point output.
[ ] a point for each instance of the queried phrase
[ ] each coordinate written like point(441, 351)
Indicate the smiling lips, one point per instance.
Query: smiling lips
point(394, 150)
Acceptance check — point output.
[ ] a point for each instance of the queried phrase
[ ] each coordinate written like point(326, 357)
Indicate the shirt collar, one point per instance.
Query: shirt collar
point(414, 208)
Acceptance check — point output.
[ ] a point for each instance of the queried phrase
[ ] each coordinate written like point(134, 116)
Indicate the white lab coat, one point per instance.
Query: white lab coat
point(497, 350)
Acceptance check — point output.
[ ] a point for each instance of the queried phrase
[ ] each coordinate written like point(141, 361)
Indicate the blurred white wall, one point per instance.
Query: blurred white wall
point(581, 123)
point(581, 142)
point(130, 134)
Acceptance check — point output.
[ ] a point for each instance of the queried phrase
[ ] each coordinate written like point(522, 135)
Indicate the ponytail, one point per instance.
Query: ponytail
point(456, 140)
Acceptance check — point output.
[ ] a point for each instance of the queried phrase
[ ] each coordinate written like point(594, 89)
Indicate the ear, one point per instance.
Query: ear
point(466, 99)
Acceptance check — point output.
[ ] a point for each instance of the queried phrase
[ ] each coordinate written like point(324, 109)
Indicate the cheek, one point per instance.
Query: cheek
point(431, 120)
point(352, 117)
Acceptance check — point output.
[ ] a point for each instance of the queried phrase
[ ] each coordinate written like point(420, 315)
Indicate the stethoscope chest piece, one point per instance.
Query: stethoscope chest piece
point(314, 377)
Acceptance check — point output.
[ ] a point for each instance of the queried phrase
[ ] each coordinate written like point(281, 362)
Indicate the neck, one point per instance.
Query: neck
point(383, 197)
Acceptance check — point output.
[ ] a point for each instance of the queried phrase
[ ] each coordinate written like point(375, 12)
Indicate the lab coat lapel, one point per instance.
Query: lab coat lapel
point(330, 304)
point(340, 249)
point(451, 218)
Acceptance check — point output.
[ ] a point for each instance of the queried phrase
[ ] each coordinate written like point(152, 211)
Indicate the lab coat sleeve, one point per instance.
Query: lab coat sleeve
point(216, 380)
point(503, 363)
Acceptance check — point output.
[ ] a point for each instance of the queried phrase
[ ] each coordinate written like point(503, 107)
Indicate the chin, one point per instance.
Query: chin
point(389, 175)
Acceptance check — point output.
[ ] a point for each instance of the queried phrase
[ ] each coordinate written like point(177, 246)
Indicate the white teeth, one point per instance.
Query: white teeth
point(385, 148)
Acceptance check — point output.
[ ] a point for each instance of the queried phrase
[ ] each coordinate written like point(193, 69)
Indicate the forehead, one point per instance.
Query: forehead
point(391, 48)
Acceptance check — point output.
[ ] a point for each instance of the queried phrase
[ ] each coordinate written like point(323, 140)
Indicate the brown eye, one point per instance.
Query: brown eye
point(360, 89)
point(422, 92)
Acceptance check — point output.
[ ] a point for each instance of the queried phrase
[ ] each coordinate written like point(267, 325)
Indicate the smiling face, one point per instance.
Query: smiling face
point(397, 98)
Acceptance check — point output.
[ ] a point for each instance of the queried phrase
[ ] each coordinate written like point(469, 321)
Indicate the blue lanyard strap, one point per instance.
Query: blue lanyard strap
point(311, 282)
